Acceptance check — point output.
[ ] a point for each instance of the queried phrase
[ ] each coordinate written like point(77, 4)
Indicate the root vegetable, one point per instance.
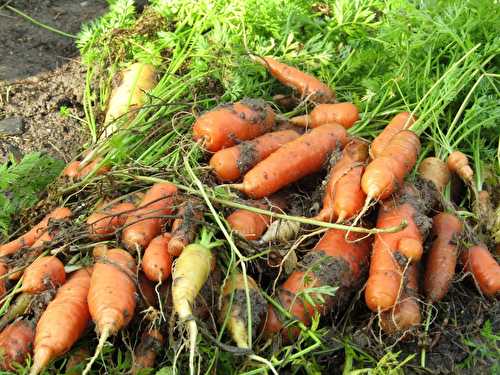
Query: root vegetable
point(484, 268)
point(231, 163)
point(436, 171)
point(343, 197)
point(63, 322)
point(44, 273)
point(294, 160)
point(229, 124)
point(442, 257)
point(399, 122)
point(305, 84)
point(75, 170)
point(157, 261)
point(147, 221)
point(3, 271)
point(457, 163)
point(184, 227)
point(147, 350)
point(112, 296)
point(345, 114)
point(282, 231)
point(105, 222)
point(29, 238)
point(16, 342)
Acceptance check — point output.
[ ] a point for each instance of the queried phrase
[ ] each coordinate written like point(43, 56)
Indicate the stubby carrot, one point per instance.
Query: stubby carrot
point(148, 349)
point(29, 238)
point(231, 163)
point(436, 171)
point(146, 222)
point(157, 261)
point(484, 268)
point(458, 163)
point(343, 197)
point(105, 222)
point(399, 122)
point(44, 273)
point(112, 296)
point(305, 84)
point(229, 124)
point(345, 114)
point(184, 227)
point(442, 257)
point(294, 160)
point(63, 322)
point(16, 342)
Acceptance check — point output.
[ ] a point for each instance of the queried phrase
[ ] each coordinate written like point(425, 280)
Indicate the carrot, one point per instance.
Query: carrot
point(146, 292)
point(384, 175)
point(111, 298)
point(16, 342)
point(157, 261)
point(231, 163)
point(190, 273)
point(399, 122)
point(76, 171)
point(3, 282)
point(76, 360)
point(294, 160)
point(228, 124)
point(235, 304)
point(484, 269)
point(457, 163)
point(147, 221)
point(345, 114)
point(63, 322)
point(29, 238)
point(44, 273)
point(19, 307)
point(72, 170)
point(406, 314)
point(106, 221)
point(343, 196)
point(305, 84)
point(436, 171)
point(147, 350)
point(184, 227)
point(336, 262)
point(442, 257)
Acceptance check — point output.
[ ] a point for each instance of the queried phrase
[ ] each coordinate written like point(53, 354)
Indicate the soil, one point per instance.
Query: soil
point(40, 73)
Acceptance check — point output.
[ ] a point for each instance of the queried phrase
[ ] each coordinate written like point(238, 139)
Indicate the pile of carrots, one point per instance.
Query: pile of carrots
point(164, 252)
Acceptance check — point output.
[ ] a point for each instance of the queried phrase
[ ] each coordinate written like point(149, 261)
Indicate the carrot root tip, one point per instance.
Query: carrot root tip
point(102, 341)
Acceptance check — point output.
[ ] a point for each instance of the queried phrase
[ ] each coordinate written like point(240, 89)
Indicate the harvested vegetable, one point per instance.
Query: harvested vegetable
point(458, 163)
point(184, 227)
point(44, 273)
point(436, 171)
point(294, 160)
point(229, 124)
point(76, 171)
point(484, 269)
point(399, 122)
point(157, 261)
point(345, 114)
point(147, 350)
point(106, 221)
point(16, 342)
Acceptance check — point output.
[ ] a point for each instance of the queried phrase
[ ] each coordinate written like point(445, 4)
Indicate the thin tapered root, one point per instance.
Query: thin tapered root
point(102, 340)
point(264, 361)
point(193, 334)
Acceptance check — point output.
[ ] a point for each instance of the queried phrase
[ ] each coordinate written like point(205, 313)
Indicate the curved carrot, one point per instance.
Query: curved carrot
point(484, 268)
point(343, 196)
point(226, 125)
point(106, 221)
point(294, 160)
point(44, 273)
point(305, 84)
point(63, 322)
point(147, 221)
point(231, 163)
point(442, 257)
point(458, 163)
point(16, 342)
point(29, 238)
point(184, 227)
point(147, 350)
point(157, 261)
point(111, 298)
point(345, 114)
point(399, 122)
point(436, 171)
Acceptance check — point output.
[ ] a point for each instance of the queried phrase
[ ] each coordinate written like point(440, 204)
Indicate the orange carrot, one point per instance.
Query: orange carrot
point(29, 238)
point(157, 262)
point(484, 268)
point(345, 114)
point(335, 261)
point(63, 322)
point(231, 163)
point(343, 196)
point(457, 163)
point(184, 227)
point(3, 271)
point(436, 171)
point(305, 84)
point(147, 350)
point(294, 160)
point(44, 273)
point(106, 221)
point(147, 292)
point(147, 221)
point(72, 170)
point(399, 122)
point(111, 298)
point(406, 314)
point(16, 342)
point(384, 175)
point(442, 257)
point(226, 125)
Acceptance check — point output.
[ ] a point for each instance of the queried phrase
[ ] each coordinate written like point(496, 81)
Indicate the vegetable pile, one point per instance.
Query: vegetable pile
point(244, 236)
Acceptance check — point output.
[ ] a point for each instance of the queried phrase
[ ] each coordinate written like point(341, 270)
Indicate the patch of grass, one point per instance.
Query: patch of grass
point(485, 350)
